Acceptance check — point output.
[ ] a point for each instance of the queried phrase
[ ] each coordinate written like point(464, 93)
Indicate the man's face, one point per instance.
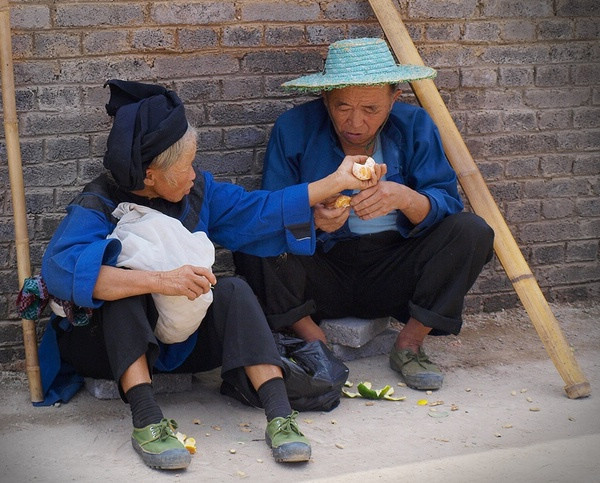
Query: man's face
point(357, 114)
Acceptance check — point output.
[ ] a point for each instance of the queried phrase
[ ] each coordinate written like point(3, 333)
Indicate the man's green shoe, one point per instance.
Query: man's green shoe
point(159, 447)
point(286, 441)
point(416, 369)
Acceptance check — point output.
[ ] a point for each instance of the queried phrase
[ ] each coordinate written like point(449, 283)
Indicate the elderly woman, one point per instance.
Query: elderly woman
point(403, 248)
point(150, 157)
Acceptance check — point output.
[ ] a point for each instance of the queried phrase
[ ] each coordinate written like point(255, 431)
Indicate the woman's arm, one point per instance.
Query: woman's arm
point(116, 283)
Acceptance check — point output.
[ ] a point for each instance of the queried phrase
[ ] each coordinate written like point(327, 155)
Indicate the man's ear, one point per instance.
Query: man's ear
point(397, 94)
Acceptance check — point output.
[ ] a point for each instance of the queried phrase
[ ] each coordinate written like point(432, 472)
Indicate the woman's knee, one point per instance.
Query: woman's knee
point(228, 286)
point(234, 297)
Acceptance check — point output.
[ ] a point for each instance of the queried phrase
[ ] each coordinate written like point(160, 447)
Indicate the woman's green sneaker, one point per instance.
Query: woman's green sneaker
point(286, 441)
point(159, 447)
point(416, 369)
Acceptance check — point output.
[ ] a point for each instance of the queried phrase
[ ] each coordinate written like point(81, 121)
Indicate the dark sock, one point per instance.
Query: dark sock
point(144, 409)
point(274, 398)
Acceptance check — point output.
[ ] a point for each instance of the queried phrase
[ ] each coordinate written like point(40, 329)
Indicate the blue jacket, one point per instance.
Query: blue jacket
point(303, 147)
point(259, 223)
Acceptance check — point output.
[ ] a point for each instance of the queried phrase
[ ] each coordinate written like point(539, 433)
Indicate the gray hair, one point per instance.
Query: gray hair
point(165, 160)
point(171, 155)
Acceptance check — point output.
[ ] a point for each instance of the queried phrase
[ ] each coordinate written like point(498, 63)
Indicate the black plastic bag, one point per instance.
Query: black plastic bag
point(314, 376)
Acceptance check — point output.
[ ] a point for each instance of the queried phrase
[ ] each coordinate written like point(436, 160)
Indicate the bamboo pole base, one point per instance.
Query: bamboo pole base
point(579, 390)
point(32, 366)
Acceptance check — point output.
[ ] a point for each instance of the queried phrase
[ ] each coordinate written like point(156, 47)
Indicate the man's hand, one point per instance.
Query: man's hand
point(328, 218)
point(388, 196)
point(377, 200)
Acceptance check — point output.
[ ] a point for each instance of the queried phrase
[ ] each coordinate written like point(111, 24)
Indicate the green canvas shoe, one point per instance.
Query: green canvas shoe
point(416, 369)
point(159, 447)
point(286, 441)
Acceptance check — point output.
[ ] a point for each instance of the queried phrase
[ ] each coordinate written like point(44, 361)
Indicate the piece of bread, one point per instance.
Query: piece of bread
point(364, 171)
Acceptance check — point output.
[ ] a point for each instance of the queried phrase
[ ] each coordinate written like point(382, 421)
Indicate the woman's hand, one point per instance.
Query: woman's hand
point(188, 280)
point(351, 182)
point(118, 283)
point(343, 179)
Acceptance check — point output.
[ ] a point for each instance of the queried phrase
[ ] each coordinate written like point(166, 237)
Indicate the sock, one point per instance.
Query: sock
point(274, 398)
point(144, 409)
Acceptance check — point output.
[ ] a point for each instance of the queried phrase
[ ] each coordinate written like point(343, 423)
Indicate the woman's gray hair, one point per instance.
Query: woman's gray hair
point(173, 153)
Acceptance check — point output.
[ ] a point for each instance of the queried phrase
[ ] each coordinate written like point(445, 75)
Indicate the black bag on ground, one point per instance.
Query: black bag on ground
point(314, 376)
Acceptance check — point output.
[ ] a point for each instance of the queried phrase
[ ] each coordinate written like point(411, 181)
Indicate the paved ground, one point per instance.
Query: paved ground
point(502, 415)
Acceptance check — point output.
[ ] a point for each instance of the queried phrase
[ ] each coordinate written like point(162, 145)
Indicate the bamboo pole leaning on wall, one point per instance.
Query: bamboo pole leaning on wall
point(15, 169)
point(484, 205)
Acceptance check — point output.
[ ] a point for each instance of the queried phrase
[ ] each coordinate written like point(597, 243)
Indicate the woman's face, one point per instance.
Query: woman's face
point(175, 182)
point(357, 114)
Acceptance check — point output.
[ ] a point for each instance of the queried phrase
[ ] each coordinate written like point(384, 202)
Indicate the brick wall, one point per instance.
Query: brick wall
point(521, 80)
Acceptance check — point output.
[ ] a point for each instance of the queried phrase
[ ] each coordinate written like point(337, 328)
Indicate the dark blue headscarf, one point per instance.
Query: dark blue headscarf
point(147, 120)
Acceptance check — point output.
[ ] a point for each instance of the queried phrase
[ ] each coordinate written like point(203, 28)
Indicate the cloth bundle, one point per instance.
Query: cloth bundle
point(154, 241)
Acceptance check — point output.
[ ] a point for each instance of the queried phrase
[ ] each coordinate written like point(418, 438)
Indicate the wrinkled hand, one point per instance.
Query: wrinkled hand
point(351, 182)
point(378, 200)
point(187, 280)
point(328, 218)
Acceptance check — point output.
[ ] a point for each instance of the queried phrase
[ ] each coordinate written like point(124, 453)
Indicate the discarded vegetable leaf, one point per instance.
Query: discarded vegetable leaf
point(347, 393)
point(365, 390)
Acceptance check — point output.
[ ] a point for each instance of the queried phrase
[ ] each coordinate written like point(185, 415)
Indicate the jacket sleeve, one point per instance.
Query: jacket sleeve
point(76, 252)
point(260, 222)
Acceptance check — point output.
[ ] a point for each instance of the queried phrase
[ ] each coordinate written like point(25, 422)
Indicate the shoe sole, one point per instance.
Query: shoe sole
point(290, 452)
point(173, 459)
point(425, 381)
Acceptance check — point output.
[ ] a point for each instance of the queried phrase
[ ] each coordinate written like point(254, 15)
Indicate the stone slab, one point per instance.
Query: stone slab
point(380, 344)
point(352, 331)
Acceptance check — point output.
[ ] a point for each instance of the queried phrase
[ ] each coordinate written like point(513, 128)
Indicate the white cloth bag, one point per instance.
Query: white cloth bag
point(154, 241)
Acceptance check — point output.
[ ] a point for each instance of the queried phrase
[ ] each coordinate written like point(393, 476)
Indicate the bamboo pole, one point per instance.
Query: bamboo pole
point(11, 131)
point(484, 205)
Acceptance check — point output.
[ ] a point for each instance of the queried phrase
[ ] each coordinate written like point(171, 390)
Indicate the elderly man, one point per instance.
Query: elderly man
point(150, 158)
point(403, 248)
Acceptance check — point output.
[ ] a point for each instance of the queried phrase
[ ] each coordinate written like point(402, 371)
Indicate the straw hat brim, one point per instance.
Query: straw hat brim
point(323, 81)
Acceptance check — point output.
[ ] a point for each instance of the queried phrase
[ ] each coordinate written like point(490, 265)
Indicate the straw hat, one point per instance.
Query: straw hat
point(359, 62)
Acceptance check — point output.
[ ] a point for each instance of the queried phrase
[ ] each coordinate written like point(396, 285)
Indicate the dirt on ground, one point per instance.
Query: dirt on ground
point(508, 336)
point(501, 415)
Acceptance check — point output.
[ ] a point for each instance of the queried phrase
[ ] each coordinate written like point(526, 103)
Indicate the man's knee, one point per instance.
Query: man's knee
point(473, 229)
point(470, 234)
